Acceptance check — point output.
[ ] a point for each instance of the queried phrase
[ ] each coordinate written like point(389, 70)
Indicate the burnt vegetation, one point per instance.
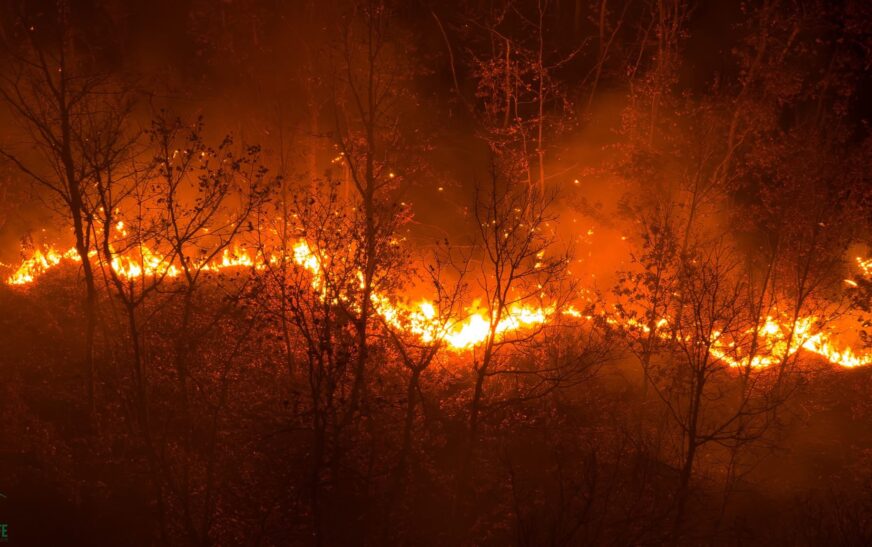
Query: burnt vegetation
point(509, 272)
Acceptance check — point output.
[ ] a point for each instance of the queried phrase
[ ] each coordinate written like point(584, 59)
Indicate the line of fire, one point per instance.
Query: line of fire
point(436, 272)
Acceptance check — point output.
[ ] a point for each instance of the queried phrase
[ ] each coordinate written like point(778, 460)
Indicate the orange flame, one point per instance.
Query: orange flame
point(474, 328)
point(39, 263)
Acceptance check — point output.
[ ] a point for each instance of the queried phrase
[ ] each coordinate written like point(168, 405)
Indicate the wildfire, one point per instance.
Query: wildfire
point(865, 265)
point(463, 333)
point(143, 262)
point(777, 338)
point(776, 343)
point(38, 263)
point(422, 319)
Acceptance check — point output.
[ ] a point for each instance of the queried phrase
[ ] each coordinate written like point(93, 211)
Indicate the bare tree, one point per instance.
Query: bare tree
point(368, 90)
point(418, 336)
point(522, 106)
point(162, 229)
point(516, 270)
point(68, 106)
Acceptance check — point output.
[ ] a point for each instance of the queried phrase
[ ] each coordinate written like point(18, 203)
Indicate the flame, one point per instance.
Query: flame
point(774, 336)
point(147, 263)
point(465, 333)
point(39, 263)
point(237, 258)
point(775, 341)
point(865, 266)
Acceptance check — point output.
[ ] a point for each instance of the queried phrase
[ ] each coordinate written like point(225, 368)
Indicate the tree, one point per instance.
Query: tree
point(516, 270)
point(368, 92)
point(69, 107)
point(519, 103)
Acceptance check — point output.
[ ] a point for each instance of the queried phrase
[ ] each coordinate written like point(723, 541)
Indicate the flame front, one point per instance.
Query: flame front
point(778, 338)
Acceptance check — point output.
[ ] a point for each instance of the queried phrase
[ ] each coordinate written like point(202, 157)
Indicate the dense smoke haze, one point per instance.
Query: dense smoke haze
point(485, 272)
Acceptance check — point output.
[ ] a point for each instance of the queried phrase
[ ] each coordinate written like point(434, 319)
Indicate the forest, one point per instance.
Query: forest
point(436, 272)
